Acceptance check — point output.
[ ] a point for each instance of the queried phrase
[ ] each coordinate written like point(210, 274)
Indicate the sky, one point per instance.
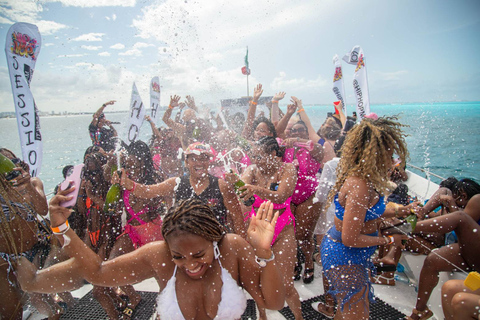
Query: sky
point(94, 50)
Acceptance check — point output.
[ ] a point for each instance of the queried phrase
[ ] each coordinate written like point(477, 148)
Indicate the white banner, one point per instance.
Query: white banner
point(360, 83)
point(154, 98)
point(136, 115)
point(338, 87)
point(22, 48)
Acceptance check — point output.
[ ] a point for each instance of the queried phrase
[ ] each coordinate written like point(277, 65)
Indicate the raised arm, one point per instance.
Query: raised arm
point(312, 133)
point(282, 124)
point(155, 131)
point(100, 110)
point(177, 128)
point(190, 101)
point(31, 189)
point(275, 111)
point(252, 109)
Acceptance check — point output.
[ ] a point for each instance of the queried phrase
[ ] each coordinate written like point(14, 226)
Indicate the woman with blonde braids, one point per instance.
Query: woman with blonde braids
point(200, 269)
point(358, 195)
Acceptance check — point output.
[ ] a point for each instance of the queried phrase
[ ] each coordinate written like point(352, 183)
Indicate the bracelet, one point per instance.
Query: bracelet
point(412, 211)
point(133, 188)
point(389, 240)
point(254, 103)
point(396, 212)
point(104, 105)
point(170, 107)
point(274, 101)
point(62, 230)
point(300, 110)
point(263, 262)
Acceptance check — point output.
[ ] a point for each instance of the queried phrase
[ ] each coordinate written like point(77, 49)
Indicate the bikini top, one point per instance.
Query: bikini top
point(129, 209)
point(24, 211)
point(373, 213)
point(232, 303)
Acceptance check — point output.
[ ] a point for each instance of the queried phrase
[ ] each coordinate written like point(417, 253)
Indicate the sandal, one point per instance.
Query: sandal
point(298, 272)
point(308, 275)
point(379, 279)
point(317, 258)
point(128, 312)
point(328, 311)
point(421, 315)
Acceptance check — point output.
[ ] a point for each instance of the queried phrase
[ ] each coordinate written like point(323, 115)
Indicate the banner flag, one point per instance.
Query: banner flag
point(360, 84)
point(22, 48)
point(136, 115)
point(154, 98)
point(246, 69)
point(338, 87)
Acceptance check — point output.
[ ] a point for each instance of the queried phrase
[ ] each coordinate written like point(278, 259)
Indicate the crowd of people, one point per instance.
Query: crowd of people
point(212, 210)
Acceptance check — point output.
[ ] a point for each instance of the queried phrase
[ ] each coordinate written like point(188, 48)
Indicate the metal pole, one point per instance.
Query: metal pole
point(248, 92)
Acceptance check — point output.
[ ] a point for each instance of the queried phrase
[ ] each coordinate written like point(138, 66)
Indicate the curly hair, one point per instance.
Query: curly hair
point(193, 216)
point(367, 151)
point(270, 125)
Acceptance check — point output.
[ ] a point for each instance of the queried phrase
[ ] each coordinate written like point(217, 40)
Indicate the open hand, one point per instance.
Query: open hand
point(262, 226)
point(291, 108)
point(257, 92)
point(111, 102)
point(174, 101)
point(278, 96)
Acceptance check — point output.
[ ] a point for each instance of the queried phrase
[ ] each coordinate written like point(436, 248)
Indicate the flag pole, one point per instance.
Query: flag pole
point(248, 91)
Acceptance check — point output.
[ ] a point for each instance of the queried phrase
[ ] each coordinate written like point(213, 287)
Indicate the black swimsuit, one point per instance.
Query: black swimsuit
point(210, 196)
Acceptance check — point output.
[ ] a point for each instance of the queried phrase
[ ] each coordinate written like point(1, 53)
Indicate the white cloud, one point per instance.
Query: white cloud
point(91, 48)
point(49, 44)
point(91, 37)
point(96, 3)
point(136, 49)
point(283, 83)
point(118, 46)
point(29, 12)
point(104, 54)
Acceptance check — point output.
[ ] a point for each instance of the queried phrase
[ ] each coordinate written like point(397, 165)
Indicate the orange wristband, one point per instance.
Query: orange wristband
point(61, 228)
point(170, 107)
point(300, 110)
point(254, 103)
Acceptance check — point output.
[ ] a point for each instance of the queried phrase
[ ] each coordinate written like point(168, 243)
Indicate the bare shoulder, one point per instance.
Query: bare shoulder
point(157, 253)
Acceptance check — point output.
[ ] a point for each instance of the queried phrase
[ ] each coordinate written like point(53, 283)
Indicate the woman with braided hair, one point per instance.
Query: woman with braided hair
point(358, 195)
point(199, 268)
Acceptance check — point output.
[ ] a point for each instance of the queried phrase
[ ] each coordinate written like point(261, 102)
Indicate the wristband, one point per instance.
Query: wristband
point(170, 107)
point(263, 262)
point(300, 110)
point(396, 212)
point(274, 101)
point(389, 240)
point(133, 188)
point(254, 103)
point(62, 230)
point(104, 105)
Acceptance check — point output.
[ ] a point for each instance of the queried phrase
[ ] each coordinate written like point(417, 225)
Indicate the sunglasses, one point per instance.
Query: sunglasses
point(299, 130)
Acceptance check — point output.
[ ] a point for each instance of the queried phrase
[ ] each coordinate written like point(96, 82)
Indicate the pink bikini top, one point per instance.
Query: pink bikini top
point(129, 209)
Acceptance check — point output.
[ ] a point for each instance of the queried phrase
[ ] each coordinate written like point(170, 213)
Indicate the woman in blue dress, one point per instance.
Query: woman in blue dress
point(358, 195)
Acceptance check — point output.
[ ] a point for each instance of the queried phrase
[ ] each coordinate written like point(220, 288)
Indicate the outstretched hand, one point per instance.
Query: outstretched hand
point(262, 226)
point(174, 101)
point(257, 93)
point(278, 96)
point(291, 108)
point(111, 102)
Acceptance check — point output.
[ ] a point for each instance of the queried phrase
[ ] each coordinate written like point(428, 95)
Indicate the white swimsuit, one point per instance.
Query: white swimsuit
point(232, 304)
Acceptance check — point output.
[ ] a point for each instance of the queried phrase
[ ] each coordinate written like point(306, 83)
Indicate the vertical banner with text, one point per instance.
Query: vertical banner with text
point(360, 83)
point(154, 98)
point(22, 48)
point(136, 115)
point(338, 87)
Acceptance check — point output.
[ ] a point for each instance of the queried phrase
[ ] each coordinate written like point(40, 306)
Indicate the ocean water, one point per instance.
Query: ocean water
point(443, 138)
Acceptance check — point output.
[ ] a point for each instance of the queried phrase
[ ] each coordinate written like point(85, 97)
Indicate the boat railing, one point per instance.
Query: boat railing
point(426, 171)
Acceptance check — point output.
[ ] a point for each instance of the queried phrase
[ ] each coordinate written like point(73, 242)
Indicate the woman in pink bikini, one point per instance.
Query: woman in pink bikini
point(270, 179)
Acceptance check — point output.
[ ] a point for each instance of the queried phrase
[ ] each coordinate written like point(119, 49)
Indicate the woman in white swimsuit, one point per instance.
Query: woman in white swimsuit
point(200, 269)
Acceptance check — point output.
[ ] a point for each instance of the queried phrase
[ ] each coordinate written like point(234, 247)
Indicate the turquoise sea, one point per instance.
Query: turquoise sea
point(443, 137)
